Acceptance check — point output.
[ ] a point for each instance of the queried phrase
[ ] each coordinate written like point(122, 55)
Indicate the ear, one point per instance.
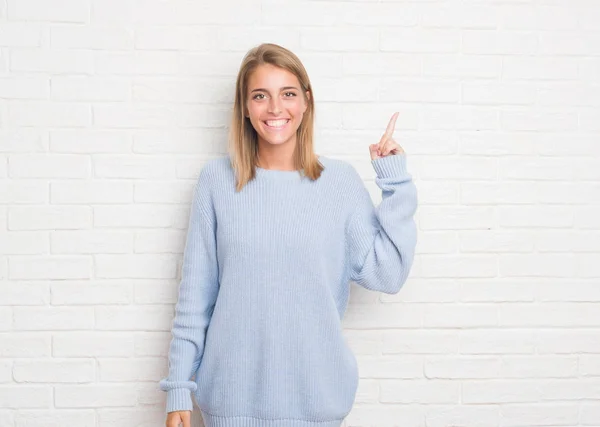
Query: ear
point(306, 103)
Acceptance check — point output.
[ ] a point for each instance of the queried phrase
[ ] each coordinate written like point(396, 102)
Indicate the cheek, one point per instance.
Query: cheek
point(297, 109)
point(254, 109)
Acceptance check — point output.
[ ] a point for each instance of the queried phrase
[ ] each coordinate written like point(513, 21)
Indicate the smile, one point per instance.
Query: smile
point(276, 124)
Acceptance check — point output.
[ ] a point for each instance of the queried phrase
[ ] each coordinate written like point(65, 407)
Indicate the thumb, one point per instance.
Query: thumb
point(373, 150)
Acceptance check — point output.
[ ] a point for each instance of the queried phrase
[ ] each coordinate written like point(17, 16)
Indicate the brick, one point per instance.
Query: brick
point(539, 68)
point(538, 366)
point(53, 318)
point(91, 242)
point(138, 369)
point(94, 396)
point(91, 37)
point(24, 87)
point(462, 367)
point(416, 40)
point(389, 315)
point(75, 292)
point(20, 34)
point(456, 218)
point(49, 218)
point(376, 63)
point(25, 344)
point(129, 166)
point(56, 11)
point(55, 61)
point(420, 342)
point(25, 242)
point(90, 141)
point(497, 341)
point(56, 418)
point(339, 39)
point(457, 65)
point(39, 267)
point(245, 37)
point(25, 293)
point(462, 415)
point(186, 38)
point(420, 391)
point(54, 371)
point(79, 88)
point(492, 42)
point(49, 114)
point(567, 341)
point(90, 192)
point(500, 391)
point(135, 266)
point(49, 166)
point(24, 191)
point(26, 396)
point(92, 344)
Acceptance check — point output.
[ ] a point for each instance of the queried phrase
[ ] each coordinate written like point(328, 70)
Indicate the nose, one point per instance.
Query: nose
point(274, 106)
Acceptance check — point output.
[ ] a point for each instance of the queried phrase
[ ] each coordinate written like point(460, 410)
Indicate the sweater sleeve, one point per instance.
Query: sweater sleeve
point(382, 240)
point(198, 289)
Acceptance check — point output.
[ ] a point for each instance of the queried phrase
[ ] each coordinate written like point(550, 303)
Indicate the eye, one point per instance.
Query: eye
point(290, 93)
point(257, 95)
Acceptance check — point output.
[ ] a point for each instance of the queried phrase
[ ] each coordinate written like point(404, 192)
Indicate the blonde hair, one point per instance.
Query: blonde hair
point(243, 139)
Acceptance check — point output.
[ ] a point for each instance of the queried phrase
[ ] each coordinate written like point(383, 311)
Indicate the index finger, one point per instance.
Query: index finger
point(391, 125)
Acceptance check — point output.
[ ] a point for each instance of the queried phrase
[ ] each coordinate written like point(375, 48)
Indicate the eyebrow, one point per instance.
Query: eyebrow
point(283, 88)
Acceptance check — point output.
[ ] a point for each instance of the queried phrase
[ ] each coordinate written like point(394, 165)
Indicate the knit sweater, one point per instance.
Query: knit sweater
point(265, 284)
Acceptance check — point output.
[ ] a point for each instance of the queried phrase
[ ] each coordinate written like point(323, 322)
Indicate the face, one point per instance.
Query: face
point(275, 104)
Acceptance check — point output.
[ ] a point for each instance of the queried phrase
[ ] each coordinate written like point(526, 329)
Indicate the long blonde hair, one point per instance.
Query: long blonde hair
point(243, 139)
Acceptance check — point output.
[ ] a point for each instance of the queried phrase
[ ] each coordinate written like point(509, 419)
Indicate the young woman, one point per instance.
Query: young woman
point(276, 233)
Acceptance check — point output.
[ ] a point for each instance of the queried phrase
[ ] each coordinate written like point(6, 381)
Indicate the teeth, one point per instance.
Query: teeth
point(276, 123)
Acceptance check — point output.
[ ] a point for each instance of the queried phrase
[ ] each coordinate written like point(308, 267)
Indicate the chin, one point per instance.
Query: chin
point(276, 141)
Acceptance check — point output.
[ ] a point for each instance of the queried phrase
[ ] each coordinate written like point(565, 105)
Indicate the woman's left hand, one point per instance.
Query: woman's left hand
point(386, 145)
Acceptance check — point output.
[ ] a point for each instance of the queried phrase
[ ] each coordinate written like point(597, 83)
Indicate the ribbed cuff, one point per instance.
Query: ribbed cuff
point(392, 166)
point(179, 399)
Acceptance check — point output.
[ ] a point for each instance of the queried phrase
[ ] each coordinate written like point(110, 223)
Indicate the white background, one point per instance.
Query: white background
point(109, 108)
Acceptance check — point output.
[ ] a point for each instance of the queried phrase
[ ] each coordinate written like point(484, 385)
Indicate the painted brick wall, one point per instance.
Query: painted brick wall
point(108, 109)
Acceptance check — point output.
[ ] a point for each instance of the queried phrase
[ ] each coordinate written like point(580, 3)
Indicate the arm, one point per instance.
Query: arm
point(198, 291)
point(381, 242)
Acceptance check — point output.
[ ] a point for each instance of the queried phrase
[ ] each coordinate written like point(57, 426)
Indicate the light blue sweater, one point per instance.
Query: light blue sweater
point(265, 284)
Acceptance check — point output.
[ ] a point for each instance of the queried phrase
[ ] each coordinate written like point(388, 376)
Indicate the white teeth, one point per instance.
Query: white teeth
point(276, 123)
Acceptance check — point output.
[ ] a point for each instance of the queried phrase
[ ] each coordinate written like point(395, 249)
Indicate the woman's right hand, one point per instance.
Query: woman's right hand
point(174, 419)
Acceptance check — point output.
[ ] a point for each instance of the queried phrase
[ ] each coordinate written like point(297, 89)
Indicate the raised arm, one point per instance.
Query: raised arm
point(381, 241)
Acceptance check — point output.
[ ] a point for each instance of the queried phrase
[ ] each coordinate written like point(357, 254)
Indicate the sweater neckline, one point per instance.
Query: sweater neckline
point(279, 173)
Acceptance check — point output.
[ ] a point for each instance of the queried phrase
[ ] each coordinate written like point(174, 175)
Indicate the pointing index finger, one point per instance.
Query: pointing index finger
point(391, 126)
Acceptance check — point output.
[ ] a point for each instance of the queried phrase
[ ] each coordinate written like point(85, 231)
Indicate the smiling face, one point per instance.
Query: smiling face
point(275, 104)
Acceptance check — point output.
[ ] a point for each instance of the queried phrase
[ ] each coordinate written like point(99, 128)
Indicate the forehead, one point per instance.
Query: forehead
point(270, 76)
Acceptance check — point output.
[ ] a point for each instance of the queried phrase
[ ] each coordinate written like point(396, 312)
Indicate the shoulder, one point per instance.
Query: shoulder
point(215, 165)
point(343, 169)
point(214, 169)
point(210, 176)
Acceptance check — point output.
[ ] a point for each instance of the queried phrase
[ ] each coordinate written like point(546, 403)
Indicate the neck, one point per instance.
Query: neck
point(280, 159)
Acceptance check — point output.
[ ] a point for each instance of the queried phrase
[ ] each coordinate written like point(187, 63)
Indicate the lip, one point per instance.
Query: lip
point(277, 128)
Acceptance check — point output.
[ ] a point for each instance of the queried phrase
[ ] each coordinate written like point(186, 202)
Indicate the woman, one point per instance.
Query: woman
point(275, 235)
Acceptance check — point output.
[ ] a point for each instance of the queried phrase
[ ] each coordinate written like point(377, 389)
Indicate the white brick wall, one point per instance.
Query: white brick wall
point(108, 109)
